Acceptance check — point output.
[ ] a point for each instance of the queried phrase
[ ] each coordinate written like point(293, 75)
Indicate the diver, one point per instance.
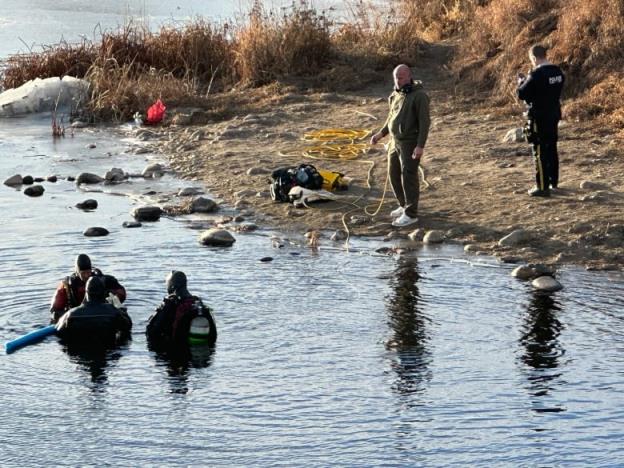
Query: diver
point(71, 291)
point(95, 322)
point(181, 319)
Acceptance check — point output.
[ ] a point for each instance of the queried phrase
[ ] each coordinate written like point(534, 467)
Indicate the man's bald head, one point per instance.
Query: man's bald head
point(402, 75)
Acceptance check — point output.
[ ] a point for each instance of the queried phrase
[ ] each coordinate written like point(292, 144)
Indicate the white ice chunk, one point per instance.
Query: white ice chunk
point(42, 95)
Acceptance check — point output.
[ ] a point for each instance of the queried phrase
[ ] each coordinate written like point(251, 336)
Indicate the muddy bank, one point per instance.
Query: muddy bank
point(477, 182)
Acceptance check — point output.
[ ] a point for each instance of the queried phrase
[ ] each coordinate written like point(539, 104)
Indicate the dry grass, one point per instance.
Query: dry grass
point(584, 37)
point(60, 60)
point(269, 47)
point(130, 68)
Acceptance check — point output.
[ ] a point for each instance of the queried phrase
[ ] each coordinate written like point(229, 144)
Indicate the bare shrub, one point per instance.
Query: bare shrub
point(269, 47)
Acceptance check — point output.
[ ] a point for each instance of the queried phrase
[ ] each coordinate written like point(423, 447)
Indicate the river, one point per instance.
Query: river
point(324, 357)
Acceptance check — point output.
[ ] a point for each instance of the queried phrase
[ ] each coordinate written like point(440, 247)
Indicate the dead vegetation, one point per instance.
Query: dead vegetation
point(130, 68)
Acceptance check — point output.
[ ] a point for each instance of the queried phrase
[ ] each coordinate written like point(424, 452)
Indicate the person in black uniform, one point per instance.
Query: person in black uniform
point(541, 90)
point(95, 322)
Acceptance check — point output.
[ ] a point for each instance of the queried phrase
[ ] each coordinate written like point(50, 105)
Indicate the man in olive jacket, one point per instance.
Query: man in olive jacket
point(408, 125)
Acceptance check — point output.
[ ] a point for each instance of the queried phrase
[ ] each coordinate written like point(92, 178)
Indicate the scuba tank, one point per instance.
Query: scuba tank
point(199, 332)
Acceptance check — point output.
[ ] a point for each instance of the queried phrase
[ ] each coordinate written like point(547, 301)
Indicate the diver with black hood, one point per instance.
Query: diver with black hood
point(181, 318)
point(95, 322)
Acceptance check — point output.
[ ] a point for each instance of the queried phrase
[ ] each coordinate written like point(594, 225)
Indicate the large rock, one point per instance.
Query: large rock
point(216, 237)
point(417, 235)
point(147, 213)
point(517, 237)
point(189, 192)
point(88, 204)
point(14, 180)
point(27, 180)
point(523, 272)
point(203, 205)
point(34, 191)
point(95, 232)
point(153, 170)
point(434, 237)
point(88, 178)
point(546, 283)
point(115, 175)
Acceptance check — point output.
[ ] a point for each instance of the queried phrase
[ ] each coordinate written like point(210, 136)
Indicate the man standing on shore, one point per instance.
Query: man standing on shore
point(541, 90)
point(408, 125)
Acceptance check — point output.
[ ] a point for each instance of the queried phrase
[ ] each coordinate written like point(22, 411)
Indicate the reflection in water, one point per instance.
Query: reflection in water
point(178, 362)
point(542, 349)
point(408, 324)
point(94, 361)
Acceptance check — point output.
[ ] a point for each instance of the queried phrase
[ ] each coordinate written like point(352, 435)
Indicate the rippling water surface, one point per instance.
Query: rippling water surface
point(324, 357)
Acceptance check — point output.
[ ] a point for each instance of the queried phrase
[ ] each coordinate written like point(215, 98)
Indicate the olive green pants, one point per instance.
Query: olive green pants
point(403, 173)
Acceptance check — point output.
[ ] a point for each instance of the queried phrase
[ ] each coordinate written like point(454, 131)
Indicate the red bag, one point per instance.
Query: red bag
point(155, 113)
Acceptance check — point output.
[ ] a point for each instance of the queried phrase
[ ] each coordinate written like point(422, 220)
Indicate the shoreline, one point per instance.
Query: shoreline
point(478, 183)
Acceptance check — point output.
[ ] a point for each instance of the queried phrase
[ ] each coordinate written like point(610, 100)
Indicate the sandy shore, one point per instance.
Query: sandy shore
point(478, 183)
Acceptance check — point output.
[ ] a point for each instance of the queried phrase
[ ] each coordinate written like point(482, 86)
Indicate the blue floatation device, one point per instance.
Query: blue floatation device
point(30, 338)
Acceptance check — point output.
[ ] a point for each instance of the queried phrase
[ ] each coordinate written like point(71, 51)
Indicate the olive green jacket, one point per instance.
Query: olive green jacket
point(408, 119)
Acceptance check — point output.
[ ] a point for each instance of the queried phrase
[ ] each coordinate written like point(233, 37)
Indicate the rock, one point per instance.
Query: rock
point(52, 178)
point(38, 179)
point(203, 205)
point(153, 170)
point(95, 232)
point(189, 192)
point(266, 259)
point(238, 219)
point(517, 237)
point(216, 237)
point(241, 204)
point(147, 213)
point(417, 235)
point(588, 185)
point(542, 270)
point(510, 259)
point(34, 191)
point(257, 171)
point(79, 124)
point(181, 119)
point(91, 146)
point(131, 224)
point(245, 193)
point(434, 237)
point(27, 180)
point(115, 175)
point(247, 227)
point(88, 178)
point(471, 248)
point(14, 181)
point(338, 236)
point(359, 220)
point(70, 178)
point(88, 204)
point(523, 272)
point(515, 135)
point(546, 283)
point(393, 235)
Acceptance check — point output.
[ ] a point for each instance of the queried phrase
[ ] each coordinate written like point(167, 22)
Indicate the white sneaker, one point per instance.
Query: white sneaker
point(404, 220)
point(397, 212)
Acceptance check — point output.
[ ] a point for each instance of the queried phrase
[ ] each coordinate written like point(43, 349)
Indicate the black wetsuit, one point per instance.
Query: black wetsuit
point(541, 90)
point(171, 323)
point(94, 323)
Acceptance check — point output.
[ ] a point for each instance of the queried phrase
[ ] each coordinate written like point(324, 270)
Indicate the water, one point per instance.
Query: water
point(27, 24)
point(324, 357)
